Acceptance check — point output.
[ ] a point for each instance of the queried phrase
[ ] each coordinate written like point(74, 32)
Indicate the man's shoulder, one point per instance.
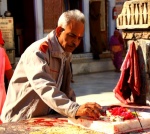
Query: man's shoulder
point(44, 46)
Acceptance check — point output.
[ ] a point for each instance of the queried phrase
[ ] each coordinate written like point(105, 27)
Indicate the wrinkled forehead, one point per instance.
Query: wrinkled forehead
point(76, 28)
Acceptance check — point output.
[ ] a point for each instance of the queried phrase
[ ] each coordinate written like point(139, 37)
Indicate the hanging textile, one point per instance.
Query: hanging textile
point(129, 82)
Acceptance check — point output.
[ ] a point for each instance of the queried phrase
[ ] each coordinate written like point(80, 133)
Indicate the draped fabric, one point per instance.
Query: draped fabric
point(129, 81)
point(2, 72)
point(116, 41)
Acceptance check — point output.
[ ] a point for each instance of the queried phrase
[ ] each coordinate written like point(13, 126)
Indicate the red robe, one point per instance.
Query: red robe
point(1, 39)
point(129, 81)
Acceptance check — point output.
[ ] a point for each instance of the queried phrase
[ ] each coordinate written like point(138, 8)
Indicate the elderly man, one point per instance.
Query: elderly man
point(41, 81)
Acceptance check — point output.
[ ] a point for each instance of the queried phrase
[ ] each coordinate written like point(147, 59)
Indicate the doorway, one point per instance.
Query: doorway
point(24, 23)
point(98, 27)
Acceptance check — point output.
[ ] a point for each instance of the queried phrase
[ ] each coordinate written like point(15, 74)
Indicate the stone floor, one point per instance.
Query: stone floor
point(96, 87)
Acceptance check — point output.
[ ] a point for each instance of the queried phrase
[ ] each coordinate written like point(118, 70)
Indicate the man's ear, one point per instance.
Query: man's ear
point(58, 31)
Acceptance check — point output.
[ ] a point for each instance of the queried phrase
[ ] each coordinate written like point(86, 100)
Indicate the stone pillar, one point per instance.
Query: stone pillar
point(86, 39)
point(111, 22)
point(3, 6)
point(0, 8)
point(38, 18)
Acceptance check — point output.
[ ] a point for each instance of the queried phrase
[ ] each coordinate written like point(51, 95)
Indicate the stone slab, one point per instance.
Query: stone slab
point(119, 127)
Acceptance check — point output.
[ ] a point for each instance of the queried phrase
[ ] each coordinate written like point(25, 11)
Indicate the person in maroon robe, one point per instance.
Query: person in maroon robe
point(116, 48)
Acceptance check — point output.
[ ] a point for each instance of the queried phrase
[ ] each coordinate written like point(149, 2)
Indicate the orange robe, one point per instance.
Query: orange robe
point(4, 65)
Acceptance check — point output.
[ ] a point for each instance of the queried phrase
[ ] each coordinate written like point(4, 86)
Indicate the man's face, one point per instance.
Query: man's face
point(71, 36)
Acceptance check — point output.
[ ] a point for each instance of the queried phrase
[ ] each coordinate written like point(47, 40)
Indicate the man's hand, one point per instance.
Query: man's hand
point(91, 109)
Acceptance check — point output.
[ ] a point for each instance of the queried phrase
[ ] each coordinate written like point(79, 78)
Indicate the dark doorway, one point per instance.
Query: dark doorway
point(98, 31)
point(24, 23)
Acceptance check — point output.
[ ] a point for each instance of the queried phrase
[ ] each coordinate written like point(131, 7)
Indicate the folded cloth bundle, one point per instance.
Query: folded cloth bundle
point(129, 81)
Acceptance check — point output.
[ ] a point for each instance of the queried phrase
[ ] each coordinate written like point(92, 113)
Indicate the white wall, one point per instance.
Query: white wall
point(3, 7)
point(86, 39)
point(111, 22)
point(38, 4)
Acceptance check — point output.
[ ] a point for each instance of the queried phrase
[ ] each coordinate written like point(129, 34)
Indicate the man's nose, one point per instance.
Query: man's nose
point(76, 41)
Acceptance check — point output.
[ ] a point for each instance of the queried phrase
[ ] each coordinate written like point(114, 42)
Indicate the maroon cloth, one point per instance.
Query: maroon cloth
point(129, 81)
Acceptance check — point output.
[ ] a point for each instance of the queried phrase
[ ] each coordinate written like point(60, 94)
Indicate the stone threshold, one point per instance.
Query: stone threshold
point(84, 63)
point(82, 56)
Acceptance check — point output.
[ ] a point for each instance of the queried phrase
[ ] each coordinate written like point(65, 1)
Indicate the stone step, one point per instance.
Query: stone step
point(84, 63)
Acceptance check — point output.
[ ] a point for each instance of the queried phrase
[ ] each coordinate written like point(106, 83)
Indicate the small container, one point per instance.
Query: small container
point(7, 14)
